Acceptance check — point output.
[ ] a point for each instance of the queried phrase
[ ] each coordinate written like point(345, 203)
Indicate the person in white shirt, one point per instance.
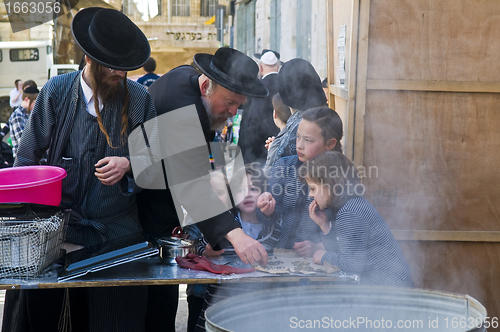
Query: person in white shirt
point(15, 94)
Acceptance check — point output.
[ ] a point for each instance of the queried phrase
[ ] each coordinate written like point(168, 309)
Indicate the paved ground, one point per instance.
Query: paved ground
point(182, 312)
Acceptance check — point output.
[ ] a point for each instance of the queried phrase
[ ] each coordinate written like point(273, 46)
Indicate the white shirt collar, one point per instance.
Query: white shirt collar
point(88, 96)
point(274, 72)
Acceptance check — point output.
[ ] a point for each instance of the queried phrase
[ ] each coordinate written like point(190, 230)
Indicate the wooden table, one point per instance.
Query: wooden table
point(152, 271)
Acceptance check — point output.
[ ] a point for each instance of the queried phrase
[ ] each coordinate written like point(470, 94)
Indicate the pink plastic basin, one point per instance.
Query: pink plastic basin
point(31, 184)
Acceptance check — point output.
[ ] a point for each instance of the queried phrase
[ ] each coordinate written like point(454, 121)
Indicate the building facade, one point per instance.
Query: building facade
point(180, 29)
point(176, 29)
point(294, 28)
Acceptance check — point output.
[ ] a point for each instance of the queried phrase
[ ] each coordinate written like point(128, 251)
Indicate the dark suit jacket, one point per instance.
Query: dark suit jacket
point(176, 89)
point(257, 123)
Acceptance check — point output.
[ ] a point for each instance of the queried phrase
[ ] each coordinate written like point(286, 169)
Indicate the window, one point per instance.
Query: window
point(61, 71)
point(128, 7)
point(304, 9)
point(245, 28)
point(275, 25)
point(24, 54)
point(207, 7)
point(181, 7)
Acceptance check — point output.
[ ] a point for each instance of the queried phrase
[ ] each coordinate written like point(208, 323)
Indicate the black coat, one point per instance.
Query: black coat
point(257, 123)
point(176, 89)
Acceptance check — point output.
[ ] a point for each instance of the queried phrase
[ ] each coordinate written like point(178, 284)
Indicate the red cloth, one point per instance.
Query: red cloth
point(195, 262)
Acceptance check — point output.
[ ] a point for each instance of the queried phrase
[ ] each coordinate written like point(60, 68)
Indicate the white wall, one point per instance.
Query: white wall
point(42, 32)
point(288, 45)
point(318, 38)
point(262, 25)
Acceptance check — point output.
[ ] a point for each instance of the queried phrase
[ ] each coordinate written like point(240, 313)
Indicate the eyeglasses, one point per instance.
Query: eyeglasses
point(114, 70)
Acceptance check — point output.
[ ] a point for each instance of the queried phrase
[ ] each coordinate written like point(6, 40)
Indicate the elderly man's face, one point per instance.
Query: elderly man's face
point(221, 105)
point(225, 102)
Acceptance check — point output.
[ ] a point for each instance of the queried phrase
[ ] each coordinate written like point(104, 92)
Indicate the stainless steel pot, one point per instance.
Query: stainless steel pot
point(171, 247)
point(346, 308)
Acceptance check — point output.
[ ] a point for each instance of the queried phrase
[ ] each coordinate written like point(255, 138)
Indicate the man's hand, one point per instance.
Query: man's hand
point(209, 252)
point(110, 170)
point(318, 255)
point(248, 249)
point(307, 248)
point(269, 140)
point(266, 204)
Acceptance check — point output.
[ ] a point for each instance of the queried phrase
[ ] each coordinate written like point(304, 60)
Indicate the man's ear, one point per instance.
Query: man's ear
point(274, 114)
point(204, 85)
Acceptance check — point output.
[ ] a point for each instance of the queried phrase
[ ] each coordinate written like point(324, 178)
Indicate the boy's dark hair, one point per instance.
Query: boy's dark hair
point(31, 93)
point(255, 170)
point(328, 121)
point(15, 82)
point(282, 111)
point(30, 83)
point(150, 65)
point(336, 172)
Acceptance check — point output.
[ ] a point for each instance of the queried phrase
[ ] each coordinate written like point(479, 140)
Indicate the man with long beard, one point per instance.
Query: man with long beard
point(227, 78)
point(83, 119)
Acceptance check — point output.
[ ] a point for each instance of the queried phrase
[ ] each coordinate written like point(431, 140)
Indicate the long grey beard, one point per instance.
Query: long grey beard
point(217, 122)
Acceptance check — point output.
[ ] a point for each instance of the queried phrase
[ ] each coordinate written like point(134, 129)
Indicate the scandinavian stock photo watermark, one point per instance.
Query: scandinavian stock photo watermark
point(171, 151)
point(365, 323)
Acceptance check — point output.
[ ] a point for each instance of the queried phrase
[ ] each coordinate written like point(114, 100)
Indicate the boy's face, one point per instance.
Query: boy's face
point(320, 193)
point(247, 196)
point(309, 143)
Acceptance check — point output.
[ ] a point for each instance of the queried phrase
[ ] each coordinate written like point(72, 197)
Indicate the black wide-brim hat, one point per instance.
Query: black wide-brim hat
point(299, 85)
point(232, 70)
point(110, 38)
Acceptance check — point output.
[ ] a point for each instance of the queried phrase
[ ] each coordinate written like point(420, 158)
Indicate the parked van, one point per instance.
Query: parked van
point(26, 60)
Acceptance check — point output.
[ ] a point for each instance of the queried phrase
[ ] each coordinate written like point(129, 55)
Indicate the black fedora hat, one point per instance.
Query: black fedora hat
point(233, 70)
point(299, 85)
point(110, 38)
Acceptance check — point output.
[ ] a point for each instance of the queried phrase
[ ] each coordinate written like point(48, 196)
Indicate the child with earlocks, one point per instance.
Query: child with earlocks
point(320, 130)
point(366, 245)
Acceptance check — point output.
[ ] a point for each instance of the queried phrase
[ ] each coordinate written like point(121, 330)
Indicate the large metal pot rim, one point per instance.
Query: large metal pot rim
point(372, 294)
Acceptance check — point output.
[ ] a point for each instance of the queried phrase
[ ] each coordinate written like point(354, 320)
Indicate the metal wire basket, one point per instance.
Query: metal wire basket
point(27, 247)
